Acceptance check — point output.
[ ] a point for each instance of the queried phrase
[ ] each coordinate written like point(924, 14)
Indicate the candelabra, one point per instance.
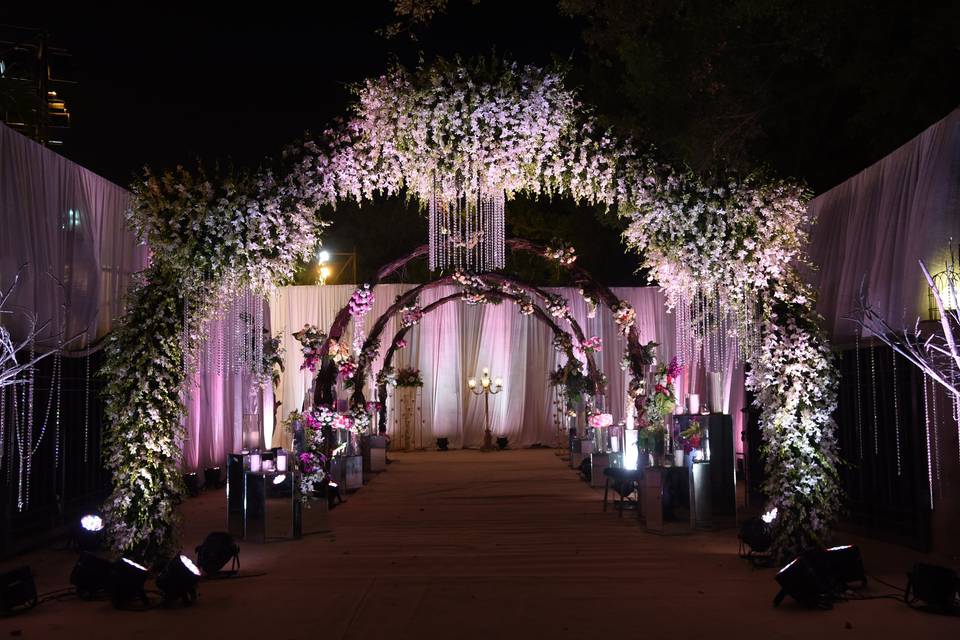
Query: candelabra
point(486, 388)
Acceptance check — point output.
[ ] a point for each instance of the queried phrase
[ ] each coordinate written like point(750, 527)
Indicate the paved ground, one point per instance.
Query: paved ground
point(469, 545)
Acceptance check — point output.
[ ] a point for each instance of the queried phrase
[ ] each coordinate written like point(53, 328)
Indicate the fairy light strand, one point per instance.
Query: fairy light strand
point(926, 424)
point(896, 413)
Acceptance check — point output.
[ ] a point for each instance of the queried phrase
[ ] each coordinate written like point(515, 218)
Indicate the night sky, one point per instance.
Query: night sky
point(167, 86)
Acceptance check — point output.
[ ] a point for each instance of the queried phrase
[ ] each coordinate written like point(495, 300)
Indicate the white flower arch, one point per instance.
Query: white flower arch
point(450, 126)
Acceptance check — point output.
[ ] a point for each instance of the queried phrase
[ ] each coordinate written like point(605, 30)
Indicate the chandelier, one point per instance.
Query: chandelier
point(467, 232)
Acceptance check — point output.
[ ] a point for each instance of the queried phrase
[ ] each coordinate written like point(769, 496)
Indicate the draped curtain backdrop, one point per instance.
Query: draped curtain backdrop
point(456, 341)
point(872, 229)
point(67, 225)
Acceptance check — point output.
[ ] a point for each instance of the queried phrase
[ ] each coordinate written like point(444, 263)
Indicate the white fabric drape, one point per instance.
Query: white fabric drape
point(457, 340)
point(873, 228)
point(68, 226)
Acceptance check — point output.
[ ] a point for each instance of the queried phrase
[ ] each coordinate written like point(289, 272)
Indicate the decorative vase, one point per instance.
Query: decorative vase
point(678, 458)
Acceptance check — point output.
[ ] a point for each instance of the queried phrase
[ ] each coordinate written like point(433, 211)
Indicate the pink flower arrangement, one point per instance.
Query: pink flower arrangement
point(348, 368)
point(674, 369)
point(361, 302)
point(343, 421)
point(591, 345)
point(600, 420)
point(400, 343)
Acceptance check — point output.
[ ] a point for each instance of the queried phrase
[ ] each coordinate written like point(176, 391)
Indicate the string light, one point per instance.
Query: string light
point(926, 424)
point(859, 405)
point(896, 411)
point(873, 387)
point(936, 435)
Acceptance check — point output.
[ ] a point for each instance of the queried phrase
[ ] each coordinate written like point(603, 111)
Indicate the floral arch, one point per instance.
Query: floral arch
point(723, 250)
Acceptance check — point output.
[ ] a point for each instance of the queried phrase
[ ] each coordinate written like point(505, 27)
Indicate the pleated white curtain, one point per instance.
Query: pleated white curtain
point(68, 226)
point(457, 341)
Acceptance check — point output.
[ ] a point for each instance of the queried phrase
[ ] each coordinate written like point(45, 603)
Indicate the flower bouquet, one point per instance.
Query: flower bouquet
point(310, 339)
point(408, 377)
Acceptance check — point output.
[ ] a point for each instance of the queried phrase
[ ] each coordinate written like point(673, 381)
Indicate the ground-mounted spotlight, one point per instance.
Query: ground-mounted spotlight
point(91, 575)
point(179, 581)
point(212, 478)
point(126, 583)
point(443, 444)
point(757, 534)
point(935, 586)
point(88, 533)
point(217, 550)
point(502, 443)
point(17, 591)
point(841, 566)
point(192, 482)
point(333, 494)
point(799, 580)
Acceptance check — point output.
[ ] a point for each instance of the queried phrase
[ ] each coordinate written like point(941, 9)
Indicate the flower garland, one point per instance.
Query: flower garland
point(624, 316)
point(562, 252)
point(311, 456)
point(208, 235)
point(411, 315)
point(557, 305)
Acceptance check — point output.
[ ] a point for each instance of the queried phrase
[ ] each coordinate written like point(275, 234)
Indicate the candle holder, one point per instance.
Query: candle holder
point(487, 387)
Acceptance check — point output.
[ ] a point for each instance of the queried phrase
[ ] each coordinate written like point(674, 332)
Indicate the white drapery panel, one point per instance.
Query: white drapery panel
point(68, 225)
point(457, 340)
point(873, 228)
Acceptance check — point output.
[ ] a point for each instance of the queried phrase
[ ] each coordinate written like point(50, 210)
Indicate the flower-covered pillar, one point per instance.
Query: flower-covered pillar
point(725, 255)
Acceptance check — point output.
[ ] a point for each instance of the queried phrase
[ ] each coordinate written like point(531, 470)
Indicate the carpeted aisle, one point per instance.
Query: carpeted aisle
point(470, 545)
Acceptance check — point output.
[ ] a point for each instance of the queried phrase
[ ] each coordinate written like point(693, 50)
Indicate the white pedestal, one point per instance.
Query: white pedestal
point(354, 472)
point(378, 459)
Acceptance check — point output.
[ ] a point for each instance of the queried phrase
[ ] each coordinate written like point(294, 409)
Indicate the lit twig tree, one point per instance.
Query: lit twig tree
point(10, 348)
point(936, 353)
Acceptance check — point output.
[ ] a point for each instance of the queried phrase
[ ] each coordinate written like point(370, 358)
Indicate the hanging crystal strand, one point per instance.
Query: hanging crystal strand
point(3, 424)
point(432, 227)
point(86, 403)
point(956, 402)
point(23, 486)
point(58, 386)
point(258, 333)
point(936, 435)
point(859, 405)
point(926, 428)
point(873, 389)
point(896, 412)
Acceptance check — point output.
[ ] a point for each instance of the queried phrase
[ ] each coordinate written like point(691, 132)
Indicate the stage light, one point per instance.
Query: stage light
point(179, 581)
point(217, 549)
point(280, 478)
point(92, 523)
point(799, 580)
point(323, 256)
point(502, 443)
point(91, 575)
point(756, 534)
point(841, 566)
point(443, 444)
point(17, 591)
point(126, 583)
point(192, 483)
point(88, 533)
point(211, 478)
point(935, 586)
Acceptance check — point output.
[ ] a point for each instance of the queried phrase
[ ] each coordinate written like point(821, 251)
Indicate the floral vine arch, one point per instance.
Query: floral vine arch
point(722, 250)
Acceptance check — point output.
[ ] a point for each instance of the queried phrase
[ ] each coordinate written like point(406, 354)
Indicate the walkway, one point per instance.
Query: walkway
point(469, 545)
